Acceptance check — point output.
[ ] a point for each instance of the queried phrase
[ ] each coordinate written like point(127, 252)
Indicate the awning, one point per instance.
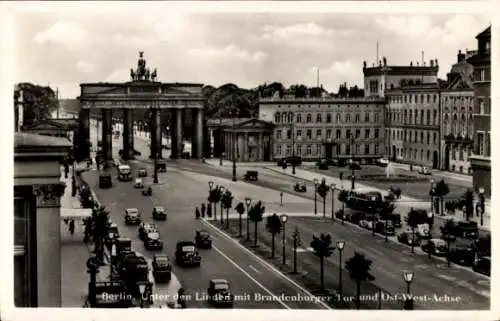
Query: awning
point(75, 213)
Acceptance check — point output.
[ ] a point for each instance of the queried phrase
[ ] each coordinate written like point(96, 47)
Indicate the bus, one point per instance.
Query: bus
point(366, 201)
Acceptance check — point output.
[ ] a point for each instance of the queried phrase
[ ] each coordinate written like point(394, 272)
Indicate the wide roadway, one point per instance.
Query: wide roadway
point(252, 281)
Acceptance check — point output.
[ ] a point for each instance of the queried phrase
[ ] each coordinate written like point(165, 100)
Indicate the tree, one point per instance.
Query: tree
point(273, 226)
point(227, 202)
point(386, 209)
point(323, 248)
point(240, 208)
point(215, 196)
point(468, 202)
point(343, 195)
point(256, 214)
point(359, 270)
point(447, 233)
point(38, 102)
point(413, 220)
point(322, 190)
point(442, 190)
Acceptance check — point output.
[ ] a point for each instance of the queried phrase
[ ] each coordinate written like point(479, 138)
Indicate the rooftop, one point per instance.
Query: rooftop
point(32, 140)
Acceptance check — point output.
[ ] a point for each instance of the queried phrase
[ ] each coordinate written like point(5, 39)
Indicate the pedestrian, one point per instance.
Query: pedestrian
point(72, 227)
point(66, 170)
point(203, 208)
point(209, 210)
point(197, 213)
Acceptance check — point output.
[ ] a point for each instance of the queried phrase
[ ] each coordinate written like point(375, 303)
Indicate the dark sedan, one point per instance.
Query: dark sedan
point(203, 239)
point(152, 241)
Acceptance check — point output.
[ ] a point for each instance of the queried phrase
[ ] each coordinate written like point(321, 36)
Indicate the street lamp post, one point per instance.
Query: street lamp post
point(222, 205)
point(234, 146)
point(247, 203)
point(332, 186)
point(296, 242)
point(293, 146)
point(432, 193)
point(340, 247)
point(408, 278)
point(281, 199)
point(210, 186)
point(315, 196)
point(481, 203)
point(155, 179)
point(142, 289)
point(113, 253)
point(284, 218)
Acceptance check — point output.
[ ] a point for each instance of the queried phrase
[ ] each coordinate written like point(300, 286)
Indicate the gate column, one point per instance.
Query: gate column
point(153, 131)
point(128, 134)
point(107, 132)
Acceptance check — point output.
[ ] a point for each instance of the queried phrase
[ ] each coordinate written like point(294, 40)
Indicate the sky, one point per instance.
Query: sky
point(64, 46)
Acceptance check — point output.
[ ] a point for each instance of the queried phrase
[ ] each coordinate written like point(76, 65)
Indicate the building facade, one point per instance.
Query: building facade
point(244, 139)
point(326, 127)
point(412, 124)
point(457, 101)
point(37, 193)
point(481, 157)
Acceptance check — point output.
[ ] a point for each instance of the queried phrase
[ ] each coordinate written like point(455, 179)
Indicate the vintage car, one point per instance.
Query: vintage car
point(152, 241)
point(251, 176)
point(300, 187)
point(138, 183)
point(424, 171)
point(159, 213)
point(482, 265)
point(406, 238)
point(105, 180)
point(219, 295)
point(438, 247)
point(395, 218)
point(147, 191)
point(368, 222)
point(144, 228)
point(162, 269)
point(112, 233)
point(142, 172)
point(132, 216)
point(380, 227)
point(203, 239)
point(186, 253)
point(322, 163)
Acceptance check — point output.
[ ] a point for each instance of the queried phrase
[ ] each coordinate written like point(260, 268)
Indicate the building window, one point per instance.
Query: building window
point(482, 75)
point(376, 149)
point(415, 154)
point(367, 149)
point(356, 146)
point(288, 150)
point(348, 133)
point(411, 116)
point(411, 136)
point(308, 150)
point(339, 149)
point(428, 138)
point(338, 134)
point(348, 149)
point(367, 133)
point(21, 259)
point(278, 134)
point(421, 154)
point(328, 118)
point(348, 118)
point(318, 118)
point(288, 134)
point(397, 134)
point(453, 156)
point(318, 134)
point(337, 117)
point(460, 154)
point(435, 139)
point(309, 134)
point(299, 118)
point(415, 121)
point(279, 150)
point(377, 117)
point(329, 134)
point(428, 155)
point(429, 117)
point(367, 117)
point(277, 118)
point(435, 117)
point(376, 132)
point(318, 150)
point(416, 99)
point(480, 144)
point(421, 137)
point(308, 118)
point(299, 133)
point(356, 118)
point(481, 106)
point(357, 133)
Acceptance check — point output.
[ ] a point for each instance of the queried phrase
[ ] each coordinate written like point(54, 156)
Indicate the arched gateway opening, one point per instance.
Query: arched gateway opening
point(143, 92)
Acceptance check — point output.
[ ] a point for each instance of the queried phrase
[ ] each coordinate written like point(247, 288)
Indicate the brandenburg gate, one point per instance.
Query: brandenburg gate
point(143, 91)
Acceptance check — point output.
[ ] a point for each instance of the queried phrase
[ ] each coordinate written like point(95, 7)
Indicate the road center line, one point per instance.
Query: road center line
point(250, 277)
point(253, 268)
point(267, 265)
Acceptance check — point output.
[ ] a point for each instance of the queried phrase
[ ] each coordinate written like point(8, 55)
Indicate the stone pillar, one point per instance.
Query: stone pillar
point(85, 127)
point(158, 133)
point(245, 155)
point(197, 137)
point(48, 235)
point(260, 148)
point(107, 134)
point(178, 133)
point(128, 134)
point(154, 138)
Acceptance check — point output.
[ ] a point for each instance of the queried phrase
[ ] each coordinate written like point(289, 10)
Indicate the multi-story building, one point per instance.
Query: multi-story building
point(326, 127)
point(481, 157)
point(412, 124)
point(457, 100)
point(379, 78)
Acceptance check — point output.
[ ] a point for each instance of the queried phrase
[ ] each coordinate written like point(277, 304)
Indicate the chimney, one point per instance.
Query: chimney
point(460, 56)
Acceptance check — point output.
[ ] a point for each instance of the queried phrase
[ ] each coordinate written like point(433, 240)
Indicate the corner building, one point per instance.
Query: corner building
point(326, 127)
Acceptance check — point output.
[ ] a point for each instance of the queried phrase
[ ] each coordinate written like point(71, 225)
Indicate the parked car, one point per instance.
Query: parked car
point(159, 213)
point(161, 166)
point(152, 241)
point(219, 294)
point(395, 218)
point(132, 216)
point(300, 187)
point(186, 253)
point(440, 247)
point(145, 228)
point(142, 172)
point(203, 239)
point(138, 183)
point(408, 238)
point(424, 170)
point(462, 254)
point(354, 217)
point(105, 180)
point(482, 265)
point(322, 163)
point(466, 229)
point(380, 227)
point(162, 269)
